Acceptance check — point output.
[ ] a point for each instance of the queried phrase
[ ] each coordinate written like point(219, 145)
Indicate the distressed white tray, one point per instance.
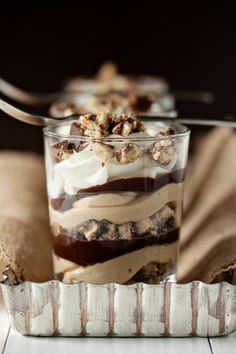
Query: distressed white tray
point(57, 309)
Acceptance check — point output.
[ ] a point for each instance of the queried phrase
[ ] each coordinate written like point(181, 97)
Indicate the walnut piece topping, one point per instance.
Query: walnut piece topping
point(104, 151)
point(163, 151)
point(166, 131)
point(104, 124)
point(125, 124)
point(103, 120)
point(126, 129)
point(94, 125)
point(128, 153)
point(157, 224)
point(63, 149)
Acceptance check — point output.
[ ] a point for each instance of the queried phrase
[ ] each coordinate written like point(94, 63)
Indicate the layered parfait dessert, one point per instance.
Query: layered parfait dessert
point(115, 197)
point(117, 93)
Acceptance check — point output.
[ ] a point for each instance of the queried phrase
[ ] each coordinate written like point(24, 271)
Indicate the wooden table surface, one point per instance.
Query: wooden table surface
point(12, 342)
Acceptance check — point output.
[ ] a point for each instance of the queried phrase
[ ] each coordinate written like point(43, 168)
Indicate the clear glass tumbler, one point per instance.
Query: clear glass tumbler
point(115, 203)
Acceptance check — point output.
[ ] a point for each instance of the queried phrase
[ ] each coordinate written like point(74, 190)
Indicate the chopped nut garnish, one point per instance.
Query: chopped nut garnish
point(163, 151)
point(128, 153)
point(104, 151)
point(104, 124)
point(125, 124)
point(126, 129)
point(166, 131)
point(63, 149)
point(117, 129)
point(93, 126)
point(103, 120)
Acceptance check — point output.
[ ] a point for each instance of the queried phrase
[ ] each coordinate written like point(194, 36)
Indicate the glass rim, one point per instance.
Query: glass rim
point(49, 131)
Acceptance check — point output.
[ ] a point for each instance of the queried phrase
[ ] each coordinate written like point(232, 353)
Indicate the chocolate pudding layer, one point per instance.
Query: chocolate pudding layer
point(151, 264)
point(135, 184)
point(89, 252)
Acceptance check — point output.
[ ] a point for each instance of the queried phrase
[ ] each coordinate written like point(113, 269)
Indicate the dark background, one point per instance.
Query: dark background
point(42, 45)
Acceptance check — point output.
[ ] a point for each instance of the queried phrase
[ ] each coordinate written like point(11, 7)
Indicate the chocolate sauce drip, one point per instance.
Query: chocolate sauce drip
point(90, 252)
point(134, 184)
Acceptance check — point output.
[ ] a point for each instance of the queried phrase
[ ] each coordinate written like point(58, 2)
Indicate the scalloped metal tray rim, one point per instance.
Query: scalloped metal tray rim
point(143, 310)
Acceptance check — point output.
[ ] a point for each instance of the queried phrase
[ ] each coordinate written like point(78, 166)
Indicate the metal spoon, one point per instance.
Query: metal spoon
point(25, 114)
point(30, 116)
point(21, 96)
point(35, 108)
point(31, 99)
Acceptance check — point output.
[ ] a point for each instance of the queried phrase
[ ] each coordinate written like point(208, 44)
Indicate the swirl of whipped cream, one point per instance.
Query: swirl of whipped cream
point(84, 169)
point(81, 170)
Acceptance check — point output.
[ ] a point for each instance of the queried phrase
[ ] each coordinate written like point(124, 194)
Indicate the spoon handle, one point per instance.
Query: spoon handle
point(26, 115)
point(21, 112)
point(225, 122)
point(21, 96)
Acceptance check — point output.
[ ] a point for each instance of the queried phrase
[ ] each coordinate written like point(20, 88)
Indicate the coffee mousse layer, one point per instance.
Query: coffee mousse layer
point(85, 252)
point(134, 184)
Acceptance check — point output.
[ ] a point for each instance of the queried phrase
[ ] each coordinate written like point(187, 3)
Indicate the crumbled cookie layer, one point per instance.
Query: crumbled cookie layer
point(152, 273)
point(161, 222)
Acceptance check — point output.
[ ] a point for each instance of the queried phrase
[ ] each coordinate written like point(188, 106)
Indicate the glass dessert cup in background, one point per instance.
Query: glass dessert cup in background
point(110, 90)
point(108, 79)
point(115, 203)
point(117, 103)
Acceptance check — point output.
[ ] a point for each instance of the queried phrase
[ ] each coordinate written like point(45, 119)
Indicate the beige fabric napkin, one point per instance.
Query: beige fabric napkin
point(208, 237)
point(25, 240)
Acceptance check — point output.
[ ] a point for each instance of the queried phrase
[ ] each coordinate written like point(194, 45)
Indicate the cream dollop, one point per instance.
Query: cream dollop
point(81, 170)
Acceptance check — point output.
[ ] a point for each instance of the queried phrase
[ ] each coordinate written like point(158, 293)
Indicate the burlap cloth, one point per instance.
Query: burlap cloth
point(208, 237)
point(25, 239)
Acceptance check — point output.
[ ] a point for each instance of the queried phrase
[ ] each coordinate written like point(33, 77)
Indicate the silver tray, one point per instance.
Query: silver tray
point(165, 310)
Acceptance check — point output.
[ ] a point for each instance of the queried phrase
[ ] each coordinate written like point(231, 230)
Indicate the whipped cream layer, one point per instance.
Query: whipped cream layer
point(84, 169)
point(117, 270)
point(118, 208)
